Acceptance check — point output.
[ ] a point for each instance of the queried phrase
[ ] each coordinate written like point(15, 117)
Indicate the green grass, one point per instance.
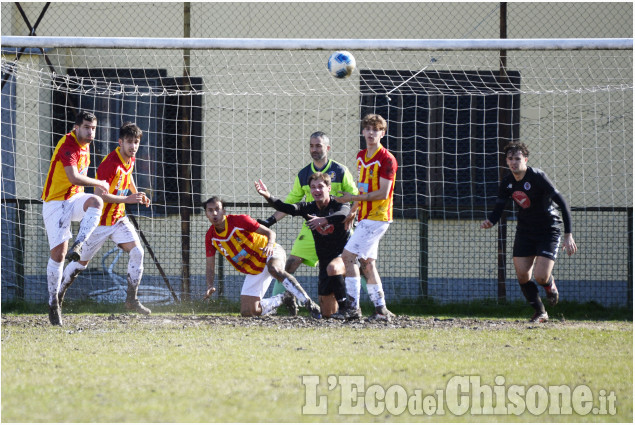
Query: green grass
point(137, 371)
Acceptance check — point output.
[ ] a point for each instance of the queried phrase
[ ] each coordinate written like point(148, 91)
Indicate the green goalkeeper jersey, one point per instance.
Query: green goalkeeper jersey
point(341, 180)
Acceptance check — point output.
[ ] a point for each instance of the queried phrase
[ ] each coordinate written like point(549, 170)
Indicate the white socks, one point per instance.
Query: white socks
point(376, 294)
point(70, 272)
point(54, 272)
point(269, 305)
point(135, 266)
point(88, 224)
point(353, 288)
point(296, 290)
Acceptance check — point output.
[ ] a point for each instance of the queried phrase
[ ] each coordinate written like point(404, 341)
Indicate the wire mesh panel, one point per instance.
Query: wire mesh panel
point(216, 120)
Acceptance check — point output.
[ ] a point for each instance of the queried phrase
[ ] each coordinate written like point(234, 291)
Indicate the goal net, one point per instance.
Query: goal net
point(219, 114)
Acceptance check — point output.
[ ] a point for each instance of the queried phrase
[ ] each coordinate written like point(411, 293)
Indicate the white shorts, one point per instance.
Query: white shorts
point(121, 232)
point(364, 241)
point(59, 214)
point(256, 285)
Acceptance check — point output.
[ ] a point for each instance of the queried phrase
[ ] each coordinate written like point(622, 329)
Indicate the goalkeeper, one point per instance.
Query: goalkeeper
point(303, 250)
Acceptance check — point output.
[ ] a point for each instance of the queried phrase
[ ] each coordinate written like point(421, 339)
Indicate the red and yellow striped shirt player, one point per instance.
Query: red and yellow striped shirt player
point(239, 243)
point(381, 164)
point(118, 173)
point(68, 152)
point(377, 170)
point(251, 248)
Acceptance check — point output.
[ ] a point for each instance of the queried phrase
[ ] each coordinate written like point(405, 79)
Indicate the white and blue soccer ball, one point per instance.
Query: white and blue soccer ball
point(341, 64)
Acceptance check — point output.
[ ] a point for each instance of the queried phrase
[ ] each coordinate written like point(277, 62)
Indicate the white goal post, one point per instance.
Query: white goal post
point(218, 114)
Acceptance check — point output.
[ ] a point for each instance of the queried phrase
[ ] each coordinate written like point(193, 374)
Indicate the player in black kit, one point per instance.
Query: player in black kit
point(325, 217)
point(538, 229)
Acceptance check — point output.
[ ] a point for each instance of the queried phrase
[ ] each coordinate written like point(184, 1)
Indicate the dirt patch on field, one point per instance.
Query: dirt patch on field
point(96, 321)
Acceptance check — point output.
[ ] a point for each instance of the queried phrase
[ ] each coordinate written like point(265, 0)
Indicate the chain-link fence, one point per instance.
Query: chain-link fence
point(251, 125)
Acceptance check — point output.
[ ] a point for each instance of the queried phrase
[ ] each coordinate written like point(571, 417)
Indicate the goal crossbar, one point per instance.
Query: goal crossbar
point(319, 44)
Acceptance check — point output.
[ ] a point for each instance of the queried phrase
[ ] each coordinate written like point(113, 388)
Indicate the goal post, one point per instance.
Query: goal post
point(236, 110)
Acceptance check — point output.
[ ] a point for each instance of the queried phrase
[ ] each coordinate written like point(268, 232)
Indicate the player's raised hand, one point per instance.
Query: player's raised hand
point(262, 189)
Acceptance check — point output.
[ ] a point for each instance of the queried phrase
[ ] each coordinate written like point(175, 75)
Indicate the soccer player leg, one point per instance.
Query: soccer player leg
point(543, 267)
point(275, 267)
point(524, 257)
point(86, 208)
point(252, 293)
point(57, 221)
point(331, 287)
point(125, 236)
point(89, 249)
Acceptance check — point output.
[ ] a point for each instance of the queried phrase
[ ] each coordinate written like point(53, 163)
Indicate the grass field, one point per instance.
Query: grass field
point(168, 367)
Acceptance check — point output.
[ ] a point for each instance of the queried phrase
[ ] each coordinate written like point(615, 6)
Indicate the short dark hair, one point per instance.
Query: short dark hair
point(322, 136)
point(320, 176)
point(84, 116)
point(376, 121)
point(216, 199)
point(130, 129)
point(516, 147)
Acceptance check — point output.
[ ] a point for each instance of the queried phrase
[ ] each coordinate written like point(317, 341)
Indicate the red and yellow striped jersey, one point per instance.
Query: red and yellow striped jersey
point(369, 170)
point(118, 174)
point(68, 152)
point(239, 243)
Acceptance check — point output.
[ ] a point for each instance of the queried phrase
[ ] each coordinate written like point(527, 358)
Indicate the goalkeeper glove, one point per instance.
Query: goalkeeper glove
point(268, 222)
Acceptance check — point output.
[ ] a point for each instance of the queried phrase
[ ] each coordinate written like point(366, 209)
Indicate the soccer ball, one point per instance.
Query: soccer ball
point(341, 64)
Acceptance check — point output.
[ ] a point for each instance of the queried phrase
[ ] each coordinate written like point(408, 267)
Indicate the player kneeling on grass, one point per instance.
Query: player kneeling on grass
point(116, 170)
point(325, 218)
point(252, 249)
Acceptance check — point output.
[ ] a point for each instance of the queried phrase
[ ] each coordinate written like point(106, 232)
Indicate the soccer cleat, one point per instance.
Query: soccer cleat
point(138, 307)
point(289, 302)
point(539, 317)
point(55, 314)
point(381, 314)
point(348, 313)
point(73, 253)
point(552, 293)
point(313, 308)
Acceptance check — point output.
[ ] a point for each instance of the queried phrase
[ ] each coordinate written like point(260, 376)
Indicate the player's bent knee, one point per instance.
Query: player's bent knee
point(250, 306)
point(94, 202)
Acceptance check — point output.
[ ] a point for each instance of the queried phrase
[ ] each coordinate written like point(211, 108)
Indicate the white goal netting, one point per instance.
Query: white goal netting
point(215, 121)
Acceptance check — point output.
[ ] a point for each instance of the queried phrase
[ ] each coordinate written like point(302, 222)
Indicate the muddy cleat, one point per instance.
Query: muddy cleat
point(73, 253)
point(138, 307)
point(313, 308)
point(539, 317)
point(348, 313)
point(381, 314)
point(55, 315)
point(552, 293)
point(289, 302)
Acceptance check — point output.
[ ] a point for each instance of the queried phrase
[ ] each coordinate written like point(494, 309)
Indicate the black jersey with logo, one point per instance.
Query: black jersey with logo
point(536, 198)
point(329, 241)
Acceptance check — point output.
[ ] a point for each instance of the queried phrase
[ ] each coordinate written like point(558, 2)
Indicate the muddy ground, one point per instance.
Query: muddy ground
point(96, 321)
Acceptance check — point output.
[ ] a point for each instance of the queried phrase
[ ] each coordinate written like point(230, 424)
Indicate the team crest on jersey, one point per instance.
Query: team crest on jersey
point(521, 199)
point(331, 175)
point(527, 186)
